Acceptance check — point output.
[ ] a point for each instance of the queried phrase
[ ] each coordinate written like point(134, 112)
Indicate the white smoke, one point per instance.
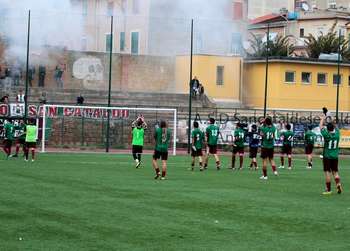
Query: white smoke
point(53, 24)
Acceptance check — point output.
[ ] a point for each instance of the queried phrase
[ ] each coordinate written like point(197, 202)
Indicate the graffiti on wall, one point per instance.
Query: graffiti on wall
point(90, 70)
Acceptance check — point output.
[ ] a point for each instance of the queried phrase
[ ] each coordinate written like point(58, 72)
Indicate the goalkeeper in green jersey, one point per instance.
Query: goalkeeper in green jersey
point(31, 138)
point(138, 134)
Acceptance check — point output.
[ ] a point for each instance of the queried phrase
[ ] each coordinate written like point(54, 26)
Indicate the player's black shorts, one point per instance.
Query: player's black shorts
point(309, 148)
point(31, 144)
point(160, 155)
point(137, 149)
point(267, 153)
point(253, 152)
point(286, 149)
point(237, 149)
point(20, 141)
point(330, 165)
point(213, 149)
point(196, 153)
point(7, 143)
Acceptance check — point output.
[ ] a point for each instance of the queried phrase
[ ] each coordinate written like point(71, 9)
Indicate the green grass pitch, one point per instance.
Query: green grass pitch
point(101, 202)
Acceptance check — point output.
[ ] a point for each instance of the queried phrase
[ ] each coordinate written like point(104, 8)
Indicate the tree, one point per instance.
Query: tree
point(278, 47)
point(327, 43)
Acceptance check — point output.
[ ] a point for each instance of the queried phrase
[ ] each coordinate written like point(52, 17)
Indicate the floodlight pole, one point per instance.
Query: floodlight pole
point(109, 86)
point(190, 94)
point(338, 79)
point(27, 71)
point(267, 67)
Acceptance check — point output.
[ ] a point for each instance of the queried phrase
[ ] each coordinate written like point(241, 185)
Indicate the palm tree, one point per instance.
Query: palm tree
point(278, 47)
point(327, 43)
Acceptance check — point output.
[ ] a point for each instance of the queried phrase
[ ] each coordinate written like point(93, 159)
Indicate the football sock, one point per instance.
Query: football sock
point(9, 151)
point(139, 157)
point(217, 163)
point(240, 161)
point(251, 164)
point(33, 154)
point(200, 164)
point(26, 153)
point(273, 168)
point(163, 173)
point(157, 171)
point(282, 161)
point(192, 164)
point(17, 149)
point(134, 156)
point(309, 164)
point(264, 172)
point(255, 164)
point(328, 186)
point(233, 161)
point(289, 162)
point(337, 180)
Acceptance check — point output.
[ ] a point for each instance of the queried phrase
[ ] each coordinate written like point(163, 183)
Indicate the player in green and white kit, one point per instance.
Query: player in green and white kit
point(238, 146)
point(287, 141)
point(212, 135)
point(331, 136)
point(268, 134)
point(20, 137)
point(31, 138)
point(9, 130)
point(138, 134)
point(309, 138)
point(162, 140)
point(197, 146)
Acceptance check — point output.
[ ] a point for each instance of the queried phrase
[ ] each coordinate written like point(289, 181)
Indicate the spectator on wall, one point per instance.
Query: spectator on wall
point(31, 72)
point(16, 74)
point(194, 86)
point(201, 90)
point(80, 99)
point(42, 99)
point(42, 74)
point(20, 98)
point(5, 99)
point(58, 76)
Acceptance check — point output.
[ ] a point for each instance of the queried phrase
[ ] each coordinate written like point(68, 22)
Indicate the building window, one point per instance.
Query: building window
point(220, 75)
point(135, 42)
point(306, 77)
point(322, 78)
point(110, 9)
point(237, 11)
point(289, 77)
point(136, 7)
point(83, 43)
point(108, 42)
point(302, 32)
point(122, 41)
point(85, 7)
point(236, 43)
point(335, 79)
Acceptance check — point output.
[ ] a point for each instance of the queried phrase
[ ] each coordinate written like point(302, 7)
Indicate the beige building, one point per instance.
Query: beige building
point(322, 4)
point(258, 8)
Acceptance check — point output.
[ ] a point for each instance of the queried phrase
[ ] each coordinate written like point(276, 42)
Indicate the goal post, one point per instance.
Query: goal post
point(70, 122)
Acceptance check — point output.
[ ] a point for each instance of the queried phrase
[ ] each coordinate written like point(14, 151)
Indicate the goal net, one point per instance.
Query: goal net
point(98, 129)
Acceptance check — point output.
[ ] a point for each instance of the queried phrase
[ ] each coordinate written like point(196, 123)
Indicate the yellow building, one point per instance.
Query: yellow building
point(296, 84)
point(221, 76)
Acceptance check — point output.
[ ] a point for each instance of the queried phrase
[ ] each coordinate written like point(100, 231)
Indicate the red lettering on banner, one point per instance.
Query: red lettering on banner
point(4, 109)
point(68, 112)
point(88, 113)
point(52, 111)
point(97, 113)
point(126, 114)
point(115, 113)
point(77, 112)
point(40, 111)
point(32, 111)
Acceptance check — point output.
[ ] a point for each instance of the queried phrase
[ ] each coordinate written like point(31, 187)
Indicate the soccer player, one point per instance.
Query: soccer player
point(31, 138)
point(138, 133)
point(162, 138)
point(197, 146)
point(254, 139)
point(238, 146)
point(287, 140)
point(20, 137)
point(331, 138)
point(268, 132)
point(212, 135)
point(309, 137)
point(9, 133)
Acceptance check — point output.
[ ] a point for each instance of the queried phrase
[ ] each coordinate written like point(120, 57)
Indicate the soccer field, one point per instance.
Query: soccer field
point(101, 202)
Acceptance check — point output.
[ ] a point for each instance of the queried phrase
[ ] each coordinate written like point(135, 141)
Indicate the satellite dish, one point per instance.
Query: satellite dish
point(305, 7)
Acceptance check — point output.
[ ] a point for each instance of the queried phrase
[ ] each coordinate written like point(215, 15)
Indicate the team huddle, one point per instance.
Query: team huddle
point(264, 135)
point(22, 135)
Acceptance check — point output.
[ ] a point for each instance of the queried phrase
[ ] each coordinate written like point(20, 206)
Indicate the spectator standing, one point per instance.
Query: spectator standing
point(20, 98)
point(194, 86)
point(5, 99)
point(58, 76)
point(42, 74)
point(80, 100)
point(31, 72)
